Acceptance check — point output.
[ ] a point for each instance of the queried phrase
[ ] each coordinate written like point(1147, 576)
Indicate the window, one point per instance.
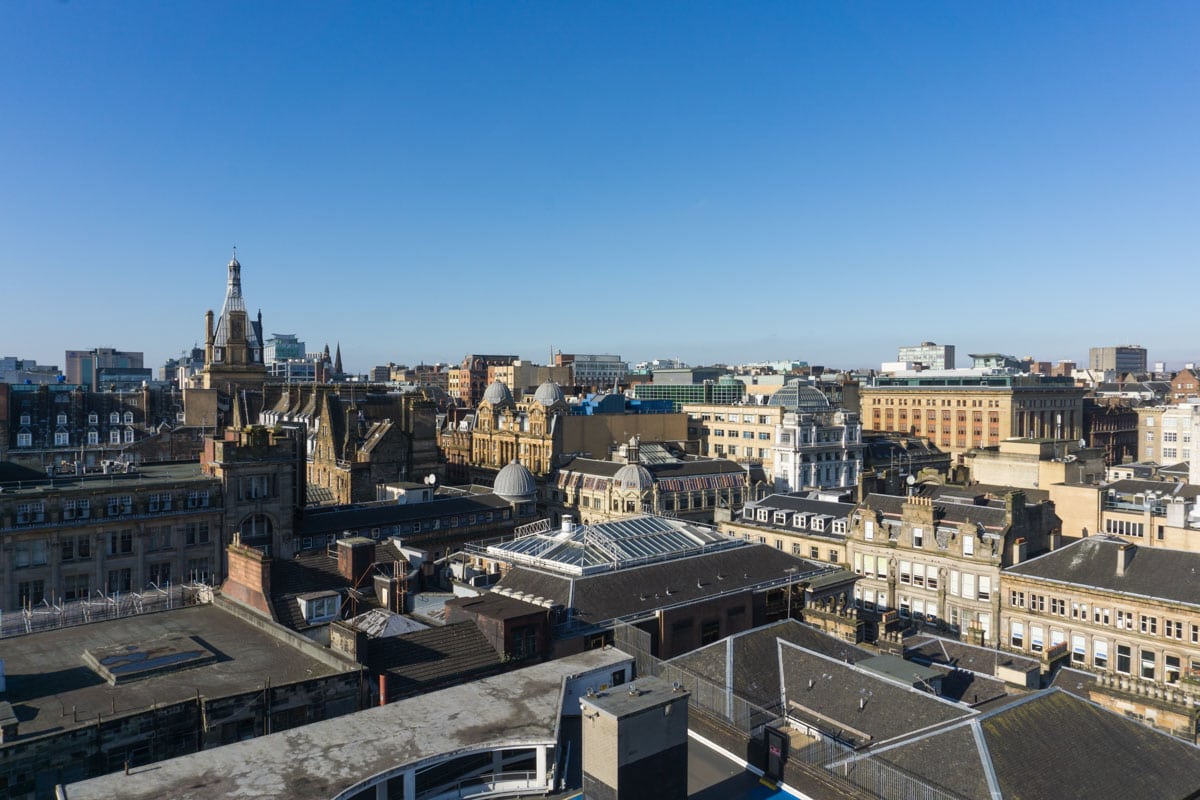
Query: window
point(119, 580)
point(114, 418)
point(1036, 639)
point(1017, 636)
point(1171, 669)
point(1016, 599)
point(75, 587)
point(868, 530)
point(918, 536)
point(1148, 663)
point(198, 570)
point(120, 543)
point(1058, 606)
point(1078, 649)
point(985, 587)
point(93, 437)
point(128, 417)
point(30, 554)
point(1148, 624)
point(1124, 620)
point(968, 586)
point(114, 436)
point(1124, 659)
point(31, 513)
point(814, 553)
point(159, 573)
point(30, 593)
point(1100, 654)
point(93, 418)
point(968, 545)
point(129, 436)
point(61, 419)
point(62, 439)
point(905, 572)
point(24, 440)
point(833, 556)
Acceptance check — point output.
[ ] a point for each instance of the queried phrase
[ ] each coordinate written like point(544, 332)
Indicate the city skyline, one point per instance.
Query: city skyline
point(704, 182)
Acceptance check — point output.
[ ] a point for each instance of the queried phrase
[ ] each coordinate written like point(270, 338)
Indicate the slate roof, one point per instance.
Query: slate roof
point(642, 590)
point(311, 572)
point(1170, 575)
point(890, 709)
point(968, 672)
point(991, 517)
point(993, 491)
point(799, 502)
point(433, 658)
point(1139, 486)
point(669, 469)
point(756, 658)
point(339, 518)
point(1054, 744)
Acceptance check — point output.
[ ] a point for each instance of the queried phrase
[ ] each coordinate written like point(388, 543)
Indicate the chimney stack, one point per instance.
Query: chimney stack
point(1125, 553)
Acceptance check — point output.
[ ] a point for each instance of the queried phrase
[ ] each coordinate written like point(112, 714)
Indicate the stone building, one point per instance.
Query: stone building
point(65, 427)
point(69, 539)
point(358, 437)
point(650, 479)
point(960, 410)
point(262, 474)
point(1119, 609)
point(545, 429)
point(936, 556)
point(807, 527)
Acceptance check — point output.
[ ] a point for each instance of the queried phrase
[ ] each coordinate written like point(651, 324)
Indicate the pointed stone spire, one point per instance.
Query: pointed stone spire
point(337, 361)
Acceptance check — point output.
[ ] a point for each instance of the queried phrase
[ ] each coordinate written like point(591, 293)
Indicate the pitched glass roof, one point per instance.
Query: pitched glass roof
point(612, 545)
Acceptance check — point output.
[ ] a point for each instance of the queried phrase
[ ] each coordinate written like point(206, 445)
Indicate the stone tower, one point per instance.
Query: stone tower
point(233, 353)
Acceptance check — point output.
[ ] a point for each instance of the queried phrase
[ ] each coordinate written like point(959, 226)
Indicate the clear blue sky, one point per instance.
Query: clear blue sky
point(733, 181)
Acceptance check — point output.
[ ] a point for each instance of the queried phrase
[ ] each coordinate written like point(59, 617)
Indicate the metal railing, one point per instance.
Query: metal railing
point(495, 784)
point(99, 607)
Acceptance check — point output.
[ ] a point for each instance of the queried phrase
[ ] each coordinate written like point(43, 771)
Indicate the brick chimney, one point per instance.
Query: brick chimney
point(355, 556)
point(249, 581)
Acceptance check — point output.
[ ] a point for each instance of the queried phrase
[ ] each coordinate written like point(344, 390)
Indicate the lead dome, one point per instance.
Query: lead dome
point(515, 482)
point(549, 393)
point(497, 393)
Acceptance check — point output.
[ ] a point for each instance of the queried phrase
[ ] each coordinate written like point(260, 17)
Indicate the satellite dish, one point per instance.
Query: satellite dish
point(1083, 443)
point(911, 479)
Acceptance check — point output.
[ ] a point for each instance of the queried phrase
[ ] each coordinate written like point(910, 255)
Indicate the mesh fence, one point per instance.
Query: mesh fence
point(839, 762)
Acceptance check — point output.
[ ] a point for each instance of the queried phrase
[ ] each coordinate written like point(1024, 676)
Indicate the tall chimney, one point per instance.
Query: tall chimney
point(1125, 554)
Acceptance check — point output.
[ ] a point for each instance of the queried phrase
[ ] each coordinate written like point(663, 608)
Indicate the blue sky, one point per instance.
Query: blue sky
point(732, 181)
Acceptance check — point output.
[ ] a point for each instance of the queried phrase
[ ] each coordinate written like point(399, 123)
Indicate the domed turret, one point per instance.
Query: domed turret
point(497, 394)
point(549, 393)
point(515, 483)
point(633, 477)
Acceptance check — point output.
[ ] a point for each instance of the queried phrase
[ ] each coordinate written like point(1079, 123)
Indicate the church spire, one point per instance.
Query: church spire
point(337, 361)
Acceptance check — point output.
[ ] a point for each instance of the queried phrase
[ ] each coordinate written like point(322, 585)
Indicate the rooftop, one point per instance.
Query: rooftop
point(324, 759)
point(1170, 575)
point(644, 590)
point(1035, 748)
point(145, 475)
point(604, 546)
point(47, 673)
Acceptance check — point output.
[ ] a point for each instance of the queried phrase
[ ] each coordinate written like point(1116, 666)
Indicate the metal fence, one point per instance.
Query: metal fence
point(840, 762)
point(99, 607)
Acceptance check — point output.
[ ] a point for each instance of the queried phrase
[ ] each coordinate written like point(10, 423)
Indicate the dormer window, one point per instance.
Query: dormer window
point(61, 419)
point(114, 418)
point(320, 607)
point(128, 417)
point(93, 418)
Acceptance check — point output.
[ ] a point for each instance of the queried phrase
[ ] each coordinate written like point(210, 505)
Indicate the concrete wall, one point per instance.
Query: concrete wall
point(31, 767)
